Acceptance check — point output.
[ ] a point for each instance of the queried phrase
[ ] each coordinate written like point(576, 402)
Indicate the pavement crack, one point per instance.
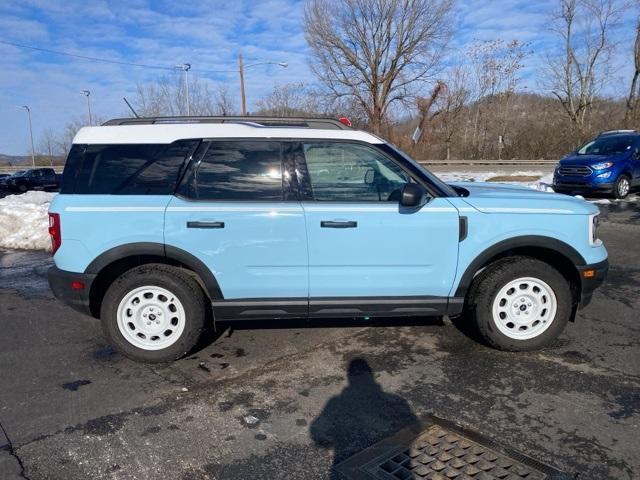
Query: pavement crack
point(13, 452)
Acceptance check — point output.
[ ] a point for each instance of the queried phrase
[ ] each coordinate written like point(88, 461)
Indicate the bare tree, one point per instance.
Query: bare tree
point(451, 105)
point(494, 76)
point(291, 99)
point(376, 51)
point(48, 147)
point(224, 101)
point(167, 97)
point(577, 76)
point(634, 91)
point(65, 140)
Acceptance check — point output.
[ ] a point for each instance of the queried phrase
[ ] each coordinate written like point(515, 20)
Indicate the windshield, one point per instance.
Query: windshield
point(612, 145)
point(447, 189)
point(19, 173)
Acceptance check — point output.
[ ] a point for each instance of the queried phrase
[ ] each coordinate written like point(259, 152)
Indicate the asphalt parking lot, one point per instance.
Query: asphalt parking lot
point(276, 401)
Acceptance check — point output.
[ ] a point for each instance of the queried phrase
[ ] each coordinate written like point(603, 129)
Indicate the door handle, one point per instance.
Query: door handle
point(332, 224)
point(205, 224)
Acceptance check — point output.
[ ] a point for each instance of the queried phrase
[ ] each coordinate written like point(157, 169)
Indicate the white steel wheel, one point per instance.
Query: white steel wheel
point(151, 318)
point(524, 308)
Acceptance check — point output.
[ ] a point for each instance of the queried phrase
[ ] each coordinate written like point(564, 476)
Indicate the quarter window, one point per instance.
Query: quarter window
point(150, 169)
point(237, 171)
point(348, 172)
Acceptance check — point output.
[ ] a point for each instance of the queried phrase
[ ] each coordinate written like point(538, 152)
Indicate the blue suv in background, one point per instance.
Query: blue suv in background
point(609, 164)
point(165, 224)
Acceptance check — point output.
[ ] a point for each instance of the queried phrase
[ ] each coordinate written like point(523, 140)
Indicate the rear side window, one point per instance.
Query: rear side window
point(126, 169)
point(236, 170)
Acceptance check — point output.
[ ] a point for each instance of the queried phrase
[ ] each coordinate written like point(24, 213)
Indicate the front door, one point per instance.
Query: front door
point(233, 212)
point(367, 254)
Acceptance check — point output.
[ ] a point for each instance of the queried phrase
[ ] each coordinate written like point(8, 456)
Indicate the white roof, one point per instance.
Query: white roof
point(170, 132)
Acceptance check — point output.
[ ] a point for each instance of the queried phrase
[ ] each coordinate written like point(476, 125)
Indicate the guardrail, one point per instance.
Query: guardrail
point(488, 162)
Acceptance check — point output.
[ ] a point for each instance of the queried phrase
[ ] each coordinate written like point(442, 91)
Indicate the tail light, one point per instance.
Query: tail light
point(54, 231)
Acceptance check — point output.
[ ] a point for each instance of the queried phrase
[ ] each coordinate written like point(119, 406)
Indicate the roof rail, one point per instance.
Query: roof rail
point(258, 121)
point(614, 132)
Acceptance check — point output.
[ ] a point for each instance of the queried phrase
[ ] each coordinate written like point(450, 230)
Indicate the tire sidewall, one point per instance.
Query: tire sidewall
point(495, 280)
point(183, 287)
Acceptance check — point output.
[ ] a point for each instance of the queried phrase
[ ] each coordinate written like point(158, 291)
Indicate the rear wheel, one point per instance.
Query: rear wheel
point(520, 303)
point(622, 187)
point(153, 313)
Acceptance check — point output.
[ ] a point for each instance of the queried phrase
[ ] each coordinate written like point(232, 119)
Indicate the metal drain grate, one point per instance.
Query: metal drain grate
point(443, 452)
point(440, 455)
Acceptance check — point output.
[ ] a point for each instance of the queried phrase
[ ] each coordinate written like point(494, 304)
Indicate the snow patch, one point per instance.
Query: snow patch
point(24, 221)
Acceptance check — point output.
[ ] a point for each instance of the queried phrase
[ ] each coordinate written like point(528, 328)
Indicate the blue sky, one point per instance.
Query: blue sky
point(207, 34)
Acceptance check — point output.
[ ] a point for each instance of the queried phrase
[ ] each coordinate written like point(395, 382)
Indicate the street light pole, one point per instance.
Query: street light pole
point(242, 95)
point(87, 94)
point(186, 67)
point(241, 68)
point(33, 150)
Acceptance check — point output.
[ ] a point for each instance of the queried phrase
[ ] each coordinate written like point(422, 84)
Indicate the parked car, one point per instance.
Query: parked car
point(163, 223)
point(609, 164)
point(34, 179)
point(4, 178)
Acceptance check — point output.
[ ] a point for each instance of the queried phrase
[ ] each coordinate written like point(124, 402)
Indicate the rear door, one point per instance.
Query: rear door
point(367, 254)
point(234, 212)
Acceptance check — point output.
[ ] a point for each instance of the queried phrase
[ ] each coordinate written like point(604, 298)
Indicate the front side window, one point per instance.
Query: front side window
point(348, 172)
point(236, 170)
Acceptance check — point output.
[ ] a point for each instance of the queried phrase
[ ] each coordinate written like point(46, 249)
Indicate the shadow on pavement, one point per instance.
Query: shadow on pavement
point(359, 415)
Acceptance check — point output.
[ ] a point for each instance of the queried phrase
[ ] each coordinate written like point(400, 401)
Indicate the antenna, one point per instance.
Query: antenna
point(130, 107)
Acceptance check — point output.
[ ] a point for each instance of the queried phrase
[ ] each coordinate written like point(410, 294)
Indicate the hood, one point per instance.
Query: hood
point(586, 160)
point(499, 198)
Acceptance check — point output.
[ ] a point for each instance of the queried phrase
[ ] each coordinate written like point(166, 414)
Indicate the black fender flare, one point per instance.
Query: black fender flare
point(524, 241)
point(158, 250)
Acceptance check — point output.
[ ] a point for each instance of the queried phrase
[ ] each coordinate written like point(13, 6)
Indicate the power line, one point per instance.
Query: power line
point(104, 60)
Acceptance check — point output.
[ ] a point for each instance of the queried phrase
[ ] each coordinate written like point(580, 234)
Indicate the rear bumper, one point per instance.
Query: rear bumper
point(60, 283)
point(588, 285)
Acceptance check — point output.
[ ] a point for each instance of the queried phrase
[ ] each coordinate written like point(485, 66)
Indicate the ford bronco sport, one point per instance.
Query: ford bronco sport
point(163, 223)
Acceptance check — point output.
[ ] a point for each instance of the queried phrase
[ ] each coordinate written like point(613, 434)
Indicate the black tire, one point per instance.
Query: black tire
point(185, 288)
point(496, 276)
point(22, 188)
point(619, 185)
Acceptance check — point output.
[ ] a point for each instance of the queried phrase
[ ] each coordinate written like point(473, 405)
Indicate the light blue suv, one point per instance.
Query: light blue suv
point(165, 224)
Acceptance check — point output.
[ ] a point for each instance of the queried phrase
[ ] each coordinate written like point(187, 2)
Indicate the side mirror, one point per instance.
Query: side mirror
point(412, 195)
point(369, 176)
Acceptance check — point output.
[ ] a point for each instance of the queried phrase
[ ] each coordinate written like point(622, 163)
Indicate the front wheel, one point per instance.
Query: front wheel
point(520, 303)
point(153, 313)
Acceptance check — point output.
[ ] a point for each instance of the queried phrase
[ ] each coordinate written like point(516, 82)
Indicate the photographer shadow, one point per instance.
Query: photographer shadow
point(361, 415)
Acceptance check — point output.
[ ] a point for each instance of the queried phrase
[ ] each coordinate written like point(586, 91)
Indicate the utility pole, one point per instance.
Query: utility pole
point(33, 150)
point(87, 94)
point(241, 67)
point(186, 67)
point(242, 95)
